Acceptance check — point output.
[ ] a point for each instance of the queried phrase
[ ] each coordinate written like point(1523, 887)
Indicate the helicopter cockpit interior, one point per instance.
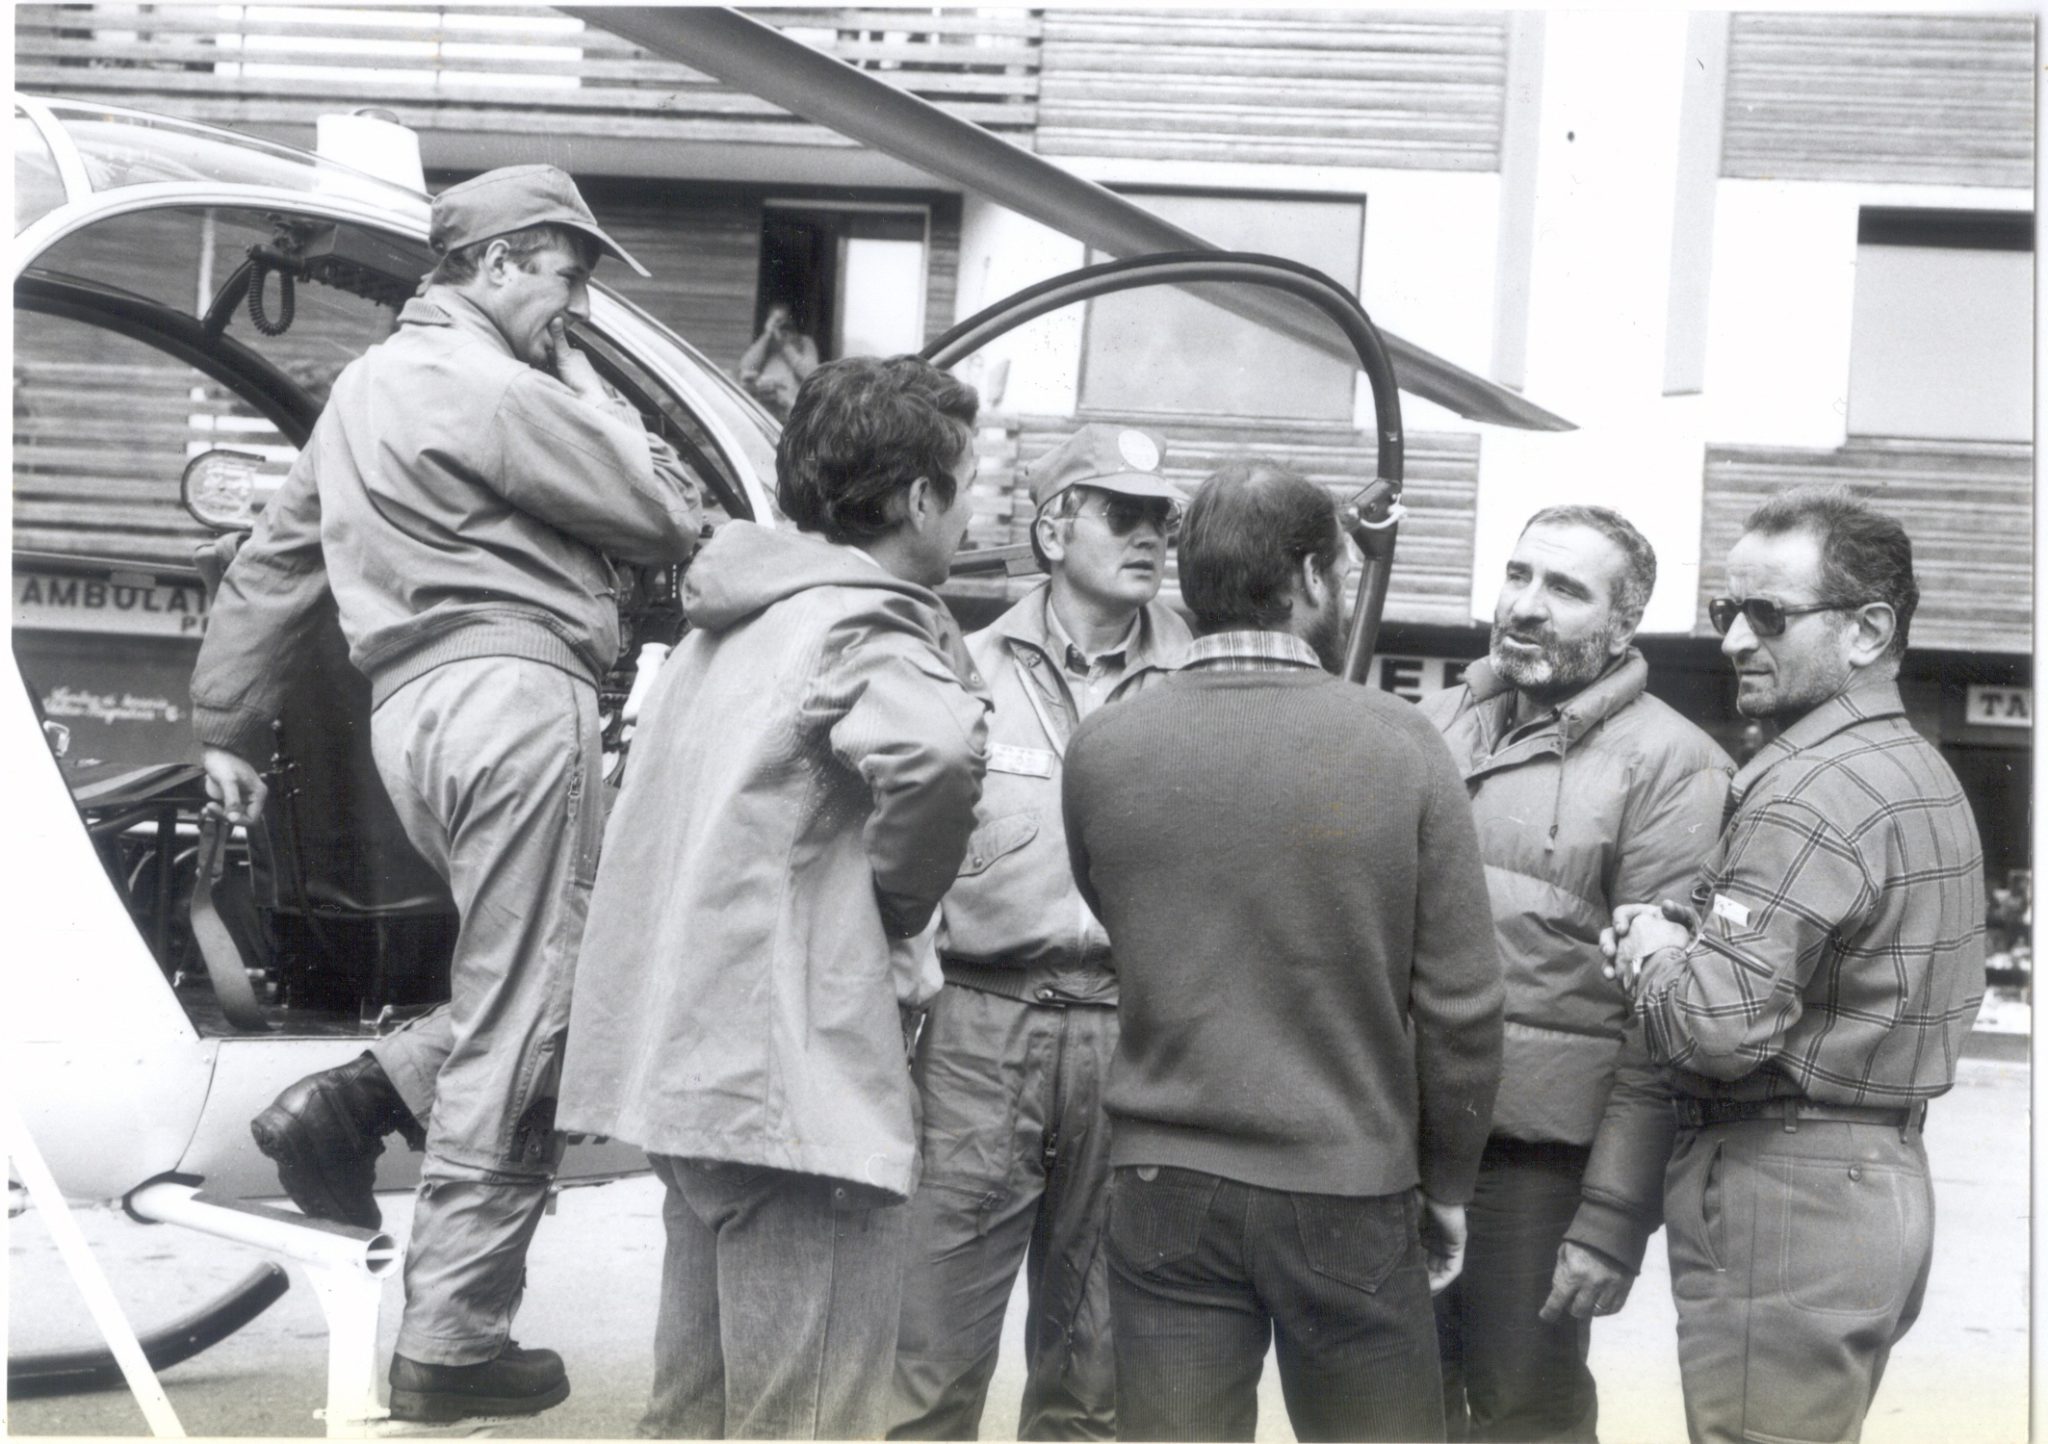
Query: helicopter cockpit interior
point(169, 361)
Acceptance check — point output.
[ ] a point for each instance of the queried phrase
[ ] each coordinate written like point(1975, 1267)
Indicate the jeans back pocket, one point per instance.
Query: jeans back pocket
point(1156, 1222)
point(1357, 1241)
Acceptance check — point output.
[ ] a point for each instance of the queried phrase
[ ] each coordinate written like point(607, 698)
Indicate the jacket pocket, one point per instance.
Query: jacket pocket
point(1156, 1222)
point(997, 839)
point(1357, 1241)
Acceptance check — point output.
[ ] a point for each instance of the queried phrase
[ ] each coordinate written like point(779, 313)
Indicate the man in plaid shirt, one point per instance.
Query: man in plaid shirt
point(1816, 994)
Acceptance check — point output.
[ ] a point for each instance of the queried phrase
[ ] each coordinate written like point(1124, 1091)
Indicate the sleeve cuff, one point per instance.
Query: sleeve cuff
point(243, 733)
point(1611, 1231)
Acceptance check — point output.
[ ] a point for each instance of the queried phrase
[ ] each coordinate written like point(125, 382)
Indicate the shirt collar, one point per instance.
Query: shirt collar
point(1866, 703)
point(440, 305)
point(1069, 652)
point(1249, 651)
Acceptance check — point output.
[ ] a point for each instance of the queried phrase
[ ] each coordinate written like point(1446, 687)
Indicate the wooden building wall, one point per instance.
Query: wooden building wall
point(1924, 99)
point(1412, 89)
point(1968, 508)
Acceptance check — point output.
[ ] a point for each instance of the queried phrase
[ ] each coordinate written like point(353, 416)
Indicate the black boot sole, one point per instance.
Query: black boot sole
point(300, 1174)
point(419, 1406)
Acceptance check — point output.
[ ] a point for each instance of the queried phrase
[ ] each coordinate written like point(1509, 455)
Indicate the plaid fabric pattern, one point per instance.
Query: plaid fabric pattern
point(1840, 956)
point(1248, 652)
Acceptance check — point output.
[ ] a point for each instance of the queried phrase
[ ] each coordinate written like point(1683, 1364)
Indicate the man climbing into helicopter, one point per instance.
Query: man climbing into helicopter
point(458, 499)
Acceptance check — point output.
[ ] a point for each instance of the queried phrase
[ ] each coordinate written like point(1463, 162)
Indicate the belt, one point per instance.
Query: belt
point(1021, 982)
point(1707, 1112)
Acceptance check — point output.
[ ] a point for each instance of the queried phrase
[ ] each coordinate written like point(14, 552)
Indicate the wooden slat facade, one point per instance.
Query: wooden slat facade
point(1969, 508)
point(1920, 99)
point(497, 70)
point(1432, 576)
point(85, 488)
point(1411, 89)
point(703, 247)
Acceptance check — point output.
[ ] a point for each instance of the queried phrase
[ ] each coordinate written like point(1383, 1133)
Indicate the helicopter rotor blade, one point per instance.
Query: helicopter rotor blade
point(757, 58)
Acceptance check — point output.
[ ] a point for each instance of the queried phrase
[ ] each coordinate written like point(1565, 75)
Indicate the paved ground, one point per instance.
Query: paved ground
point(1961, 1376)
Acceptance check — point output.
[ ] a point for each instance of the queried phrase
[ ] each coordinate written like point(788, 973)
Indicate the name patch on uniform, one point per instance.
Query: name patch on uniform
point(1731, 910)
point(1023, 761)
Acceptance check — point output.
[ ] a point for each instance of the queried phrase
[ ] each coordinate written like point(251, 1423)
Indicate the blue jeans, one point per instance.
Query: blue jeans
point(1204, 1272)
point(1509, 1376)
point(779, 1298)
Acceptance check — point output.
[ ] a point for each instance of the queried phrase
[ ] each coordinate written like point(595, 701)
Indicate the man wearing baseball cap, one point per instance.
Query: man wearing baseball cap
point(1017, 1045)
point(459, 500)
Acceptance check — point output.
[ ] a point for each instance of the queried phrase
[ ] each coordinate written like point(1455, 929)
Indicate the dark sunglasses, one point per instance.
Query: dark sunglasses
point(1125, 514)
point(1766, 617)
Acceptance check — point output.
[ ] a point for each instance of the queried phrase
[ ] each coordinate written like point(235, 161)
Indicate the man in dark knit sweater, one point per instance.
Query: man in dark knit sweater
point(1310, 999)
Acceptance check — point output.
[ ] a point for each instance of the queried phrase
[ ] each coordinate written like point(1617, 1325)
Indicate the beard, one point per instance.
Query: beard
point(1559, 668)
point(1326, 634)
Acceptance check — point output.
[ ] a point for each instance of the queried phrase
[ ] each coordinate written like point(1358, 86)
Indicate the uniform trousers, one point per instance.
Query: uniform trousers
point(1508, 1376)
point(1016, 1171)
point(1798, 1258)
point(779, 1298)
point(1205, 1272)
point(493, 765)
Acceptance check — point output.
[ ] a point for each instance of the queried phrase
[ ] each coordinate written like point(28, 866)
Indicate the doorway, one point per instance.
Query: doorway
point(853, 275)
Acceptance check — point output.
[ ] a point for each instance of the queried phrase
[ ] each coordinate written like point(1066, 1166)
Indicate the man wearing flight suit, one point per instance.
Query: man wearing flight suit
point(1018, 1043)
point(459, 498)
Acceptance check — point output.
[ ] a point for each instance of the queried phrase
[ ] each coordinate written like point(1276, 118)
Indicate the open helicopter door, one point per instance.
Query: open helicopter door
point(1206, 319)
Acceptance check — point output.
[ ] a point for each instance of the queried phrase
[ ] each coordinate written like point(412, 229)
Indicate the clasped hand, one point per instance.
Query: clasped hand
point(1639, 930)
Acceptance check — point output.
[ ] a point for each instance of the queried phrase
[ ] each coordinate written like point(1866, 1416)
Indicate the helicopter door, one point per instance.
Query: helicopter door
point(1218, 354)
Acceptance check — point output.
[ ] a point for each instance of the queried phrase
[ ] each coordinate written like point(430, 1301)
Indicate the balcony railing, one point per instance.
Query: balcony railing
point(505, 70)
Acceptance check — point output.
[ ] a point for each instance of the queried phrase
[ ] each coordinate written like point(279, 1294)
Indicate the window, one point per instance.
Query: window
point(1145, 345)
point(1941, 346)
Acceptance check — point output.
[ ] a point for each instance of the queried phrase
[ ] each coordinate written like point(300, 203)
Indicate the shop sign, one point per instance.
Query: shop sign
point(1415, 677)
point(133, 605)
point(2000, 707)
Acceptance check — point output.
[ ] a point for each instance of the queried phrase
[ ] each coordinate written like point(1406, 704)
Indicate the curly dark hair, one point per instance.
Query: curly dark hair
point(861, 431)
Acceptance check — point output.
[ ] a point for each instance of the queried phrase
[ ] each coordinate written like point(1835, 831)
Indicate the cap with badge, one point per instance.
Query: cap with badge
point(1122, 459)
point(512, 198)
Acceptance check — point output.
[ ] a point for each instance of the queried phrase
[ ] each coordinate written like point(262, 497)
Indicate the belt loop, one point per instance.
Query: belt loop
point(1916, 1121)
point(1791, 1115)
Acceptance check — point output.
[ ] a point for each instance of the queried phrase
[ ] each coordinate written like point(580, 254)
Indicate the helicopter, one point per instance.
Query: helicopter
point(201, 287)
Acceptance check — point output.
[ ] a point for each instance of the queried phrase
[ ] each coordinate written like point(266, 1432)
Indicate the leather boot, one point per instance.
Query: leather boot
point(518, 1381)
point(324, 1134)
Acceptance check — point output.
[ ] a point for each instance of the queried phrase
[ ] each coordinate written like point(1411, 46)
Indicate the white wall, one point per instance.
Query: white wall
point(1608, 140)
point(1035, 369)
point(1784, 291)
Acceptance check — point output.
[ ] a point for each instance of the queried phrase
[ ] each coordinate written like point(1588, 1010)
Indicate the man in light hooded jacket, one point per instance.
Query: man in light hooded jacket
point(800, 796)
point(1588, 792)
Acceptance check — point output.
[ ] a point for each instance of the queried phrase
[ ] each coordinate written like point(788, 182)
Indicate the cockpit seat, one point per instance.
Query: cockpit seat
point(359, 919)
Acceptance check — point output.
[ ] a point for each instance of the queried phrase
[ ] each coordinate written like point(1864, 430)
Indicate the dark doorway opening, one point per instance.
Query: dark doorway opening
point(853, 276)
point(800, 267)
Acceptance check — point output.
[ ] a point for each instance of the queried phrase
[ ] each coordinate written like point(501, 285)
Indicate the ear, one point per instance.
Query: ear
point(1869, 633)
point(1314, 586)
point(1051, 540)
point(921, 504)
point(497, 260)
point(1625, 624)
